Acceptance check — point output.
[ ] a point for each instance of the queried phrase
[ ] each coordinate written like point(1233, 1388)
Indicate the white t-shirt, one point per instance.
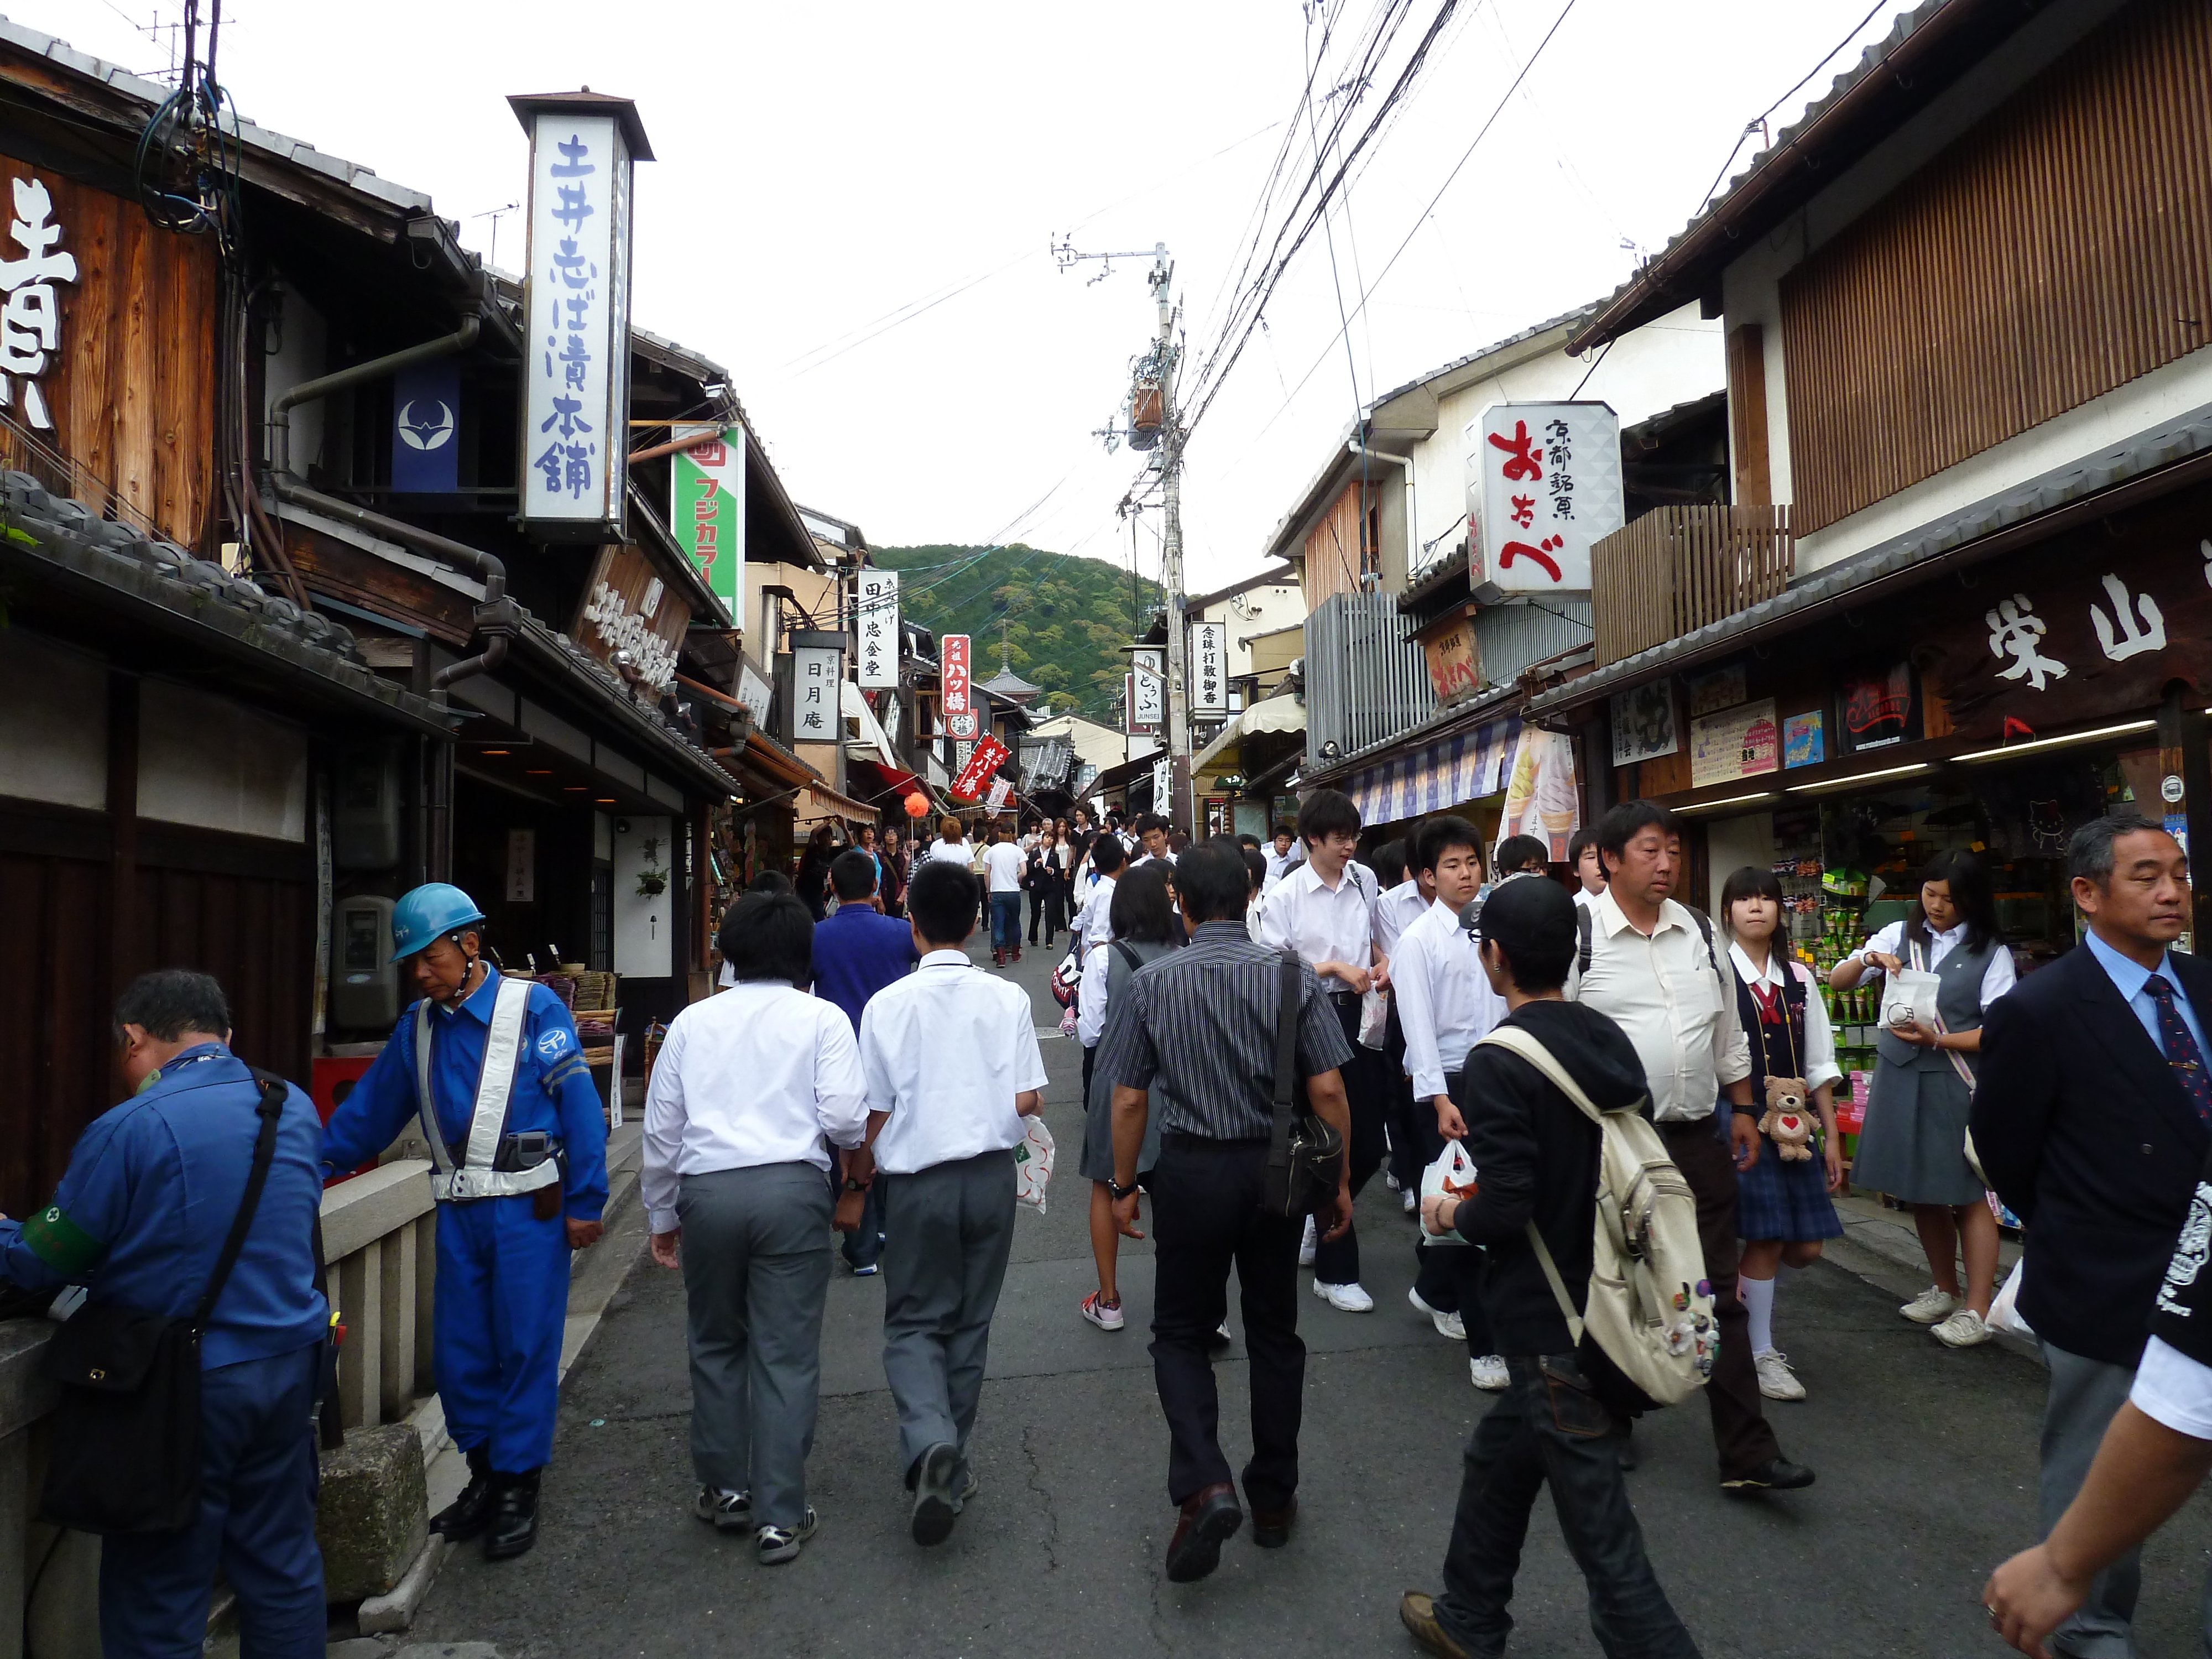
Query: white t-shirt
point(945, 1050)
point(1005, 863)
point(951, 851)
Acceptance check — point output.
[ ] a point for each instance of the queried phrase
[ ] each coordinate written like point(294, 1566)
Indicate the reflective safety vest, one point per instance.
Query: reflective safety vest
point(503, 1052)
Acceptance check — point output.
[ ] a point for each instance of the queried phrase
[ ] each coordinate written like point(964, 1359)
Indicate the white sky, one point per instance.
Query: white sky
point(824, 166)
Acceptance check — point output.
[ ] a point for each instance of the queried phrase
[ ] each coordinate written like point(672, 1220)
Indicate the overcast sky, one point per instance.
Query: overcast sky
point(826, 172)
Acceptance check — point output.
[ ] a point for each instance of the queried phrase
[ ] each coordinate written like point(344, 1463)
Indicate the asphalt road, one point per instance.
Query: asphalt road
point(1926, 1460)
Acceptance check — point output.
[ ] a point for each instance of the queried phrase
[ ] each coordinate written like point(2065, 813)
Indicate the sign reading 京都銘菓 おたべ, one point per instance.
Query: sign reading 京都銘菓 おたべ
point(1544, 483)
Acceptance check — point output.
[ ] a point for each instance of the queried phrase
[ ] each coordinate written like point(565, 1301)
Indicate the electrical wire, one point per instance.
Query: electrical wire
point(1760, 120)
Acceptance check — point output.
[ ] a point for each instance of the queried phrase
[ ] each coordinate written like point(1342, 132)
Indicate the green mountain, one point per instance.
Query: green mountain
point(1067, 618)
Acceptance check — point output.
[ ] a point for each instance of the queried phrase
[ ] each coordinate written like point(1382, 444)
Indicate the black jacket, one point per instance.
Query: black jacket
point(2085, 1132)
point(1535, 1155)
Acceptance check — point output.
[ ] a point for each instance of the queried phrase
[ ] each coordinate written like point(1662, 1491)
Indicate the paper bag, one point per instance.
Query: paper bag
point(1452, 1172)
point(1908, 998)
point(1033, 1165)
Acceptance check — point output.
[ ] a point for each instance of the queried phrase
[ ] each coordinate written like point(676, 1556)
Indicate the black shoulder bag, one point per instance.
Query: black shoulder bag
point(123, 1446)
point(1306, 1154)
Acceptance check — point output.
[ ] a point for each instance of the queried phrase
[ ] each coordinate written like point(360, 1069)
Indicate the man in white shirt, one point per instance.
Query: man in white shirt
point(735, 1182)
point(952, 844)
point(1588, 864)
point(1094, 922)
point(1650, 964)
point(1403, 900)
point(1003, 865)
point(1282, 856)
point(1151, 839)
point(1324, 910)
point(1445, 1003)
point(953, 1067)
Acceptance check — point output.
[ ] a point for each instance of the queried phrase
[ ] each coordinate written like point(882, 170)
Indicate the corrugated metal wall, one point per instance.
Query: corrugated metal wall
point(1511, 636)
point(2059, 250)
point(1365, 681)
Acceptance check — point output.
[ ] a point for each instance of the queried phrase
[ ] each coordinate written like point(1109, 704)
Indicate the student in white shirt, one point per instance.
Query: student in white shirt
point(1445, 1003)
point(952, 1066)
point(1588, 864)
point(1004, 866)
point(951, 843)
point(735, 1183)
point(1405, 896)
point(1151, 839)
point(1281, 855)
point(1324, 910)
point(1094, 922)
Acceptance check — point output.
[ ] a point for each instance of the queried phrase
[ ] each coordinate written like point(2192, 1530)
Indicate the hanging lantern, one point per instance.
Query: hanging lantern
point(917, 805)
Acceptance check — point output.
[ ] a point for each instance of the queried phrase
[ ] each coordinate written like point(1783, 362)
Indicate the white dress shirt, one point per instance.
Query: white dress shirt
point(1095, 921)
point(756, 1075)
point(945, 1051)
point(1445, 1000)
point(1005, 863)
point(1997, 978)
point(2172, 1389)
point(1584, 896)
point(1320, 923)
point(1818, 1058)
point(1678, 1011)
point(1091, 1002)
point(1394, 912)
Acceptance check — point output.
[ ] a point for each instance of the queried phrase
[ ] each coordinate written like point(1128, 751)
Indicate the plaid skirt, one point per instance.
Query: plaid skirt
point(1788, 1201)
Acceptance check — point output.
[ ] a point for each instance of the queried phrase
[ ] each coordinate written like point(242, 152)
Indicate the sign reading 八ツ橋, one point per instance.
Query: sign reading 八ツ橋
point(877, 625)
point(1543, 481)
point(576, 414)
point(707, 508)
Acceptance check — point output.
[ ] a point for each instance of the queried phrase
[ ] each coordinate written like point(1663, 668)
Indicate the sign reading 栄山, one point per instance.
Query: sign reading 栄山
point(31, 322)
point(575, 407)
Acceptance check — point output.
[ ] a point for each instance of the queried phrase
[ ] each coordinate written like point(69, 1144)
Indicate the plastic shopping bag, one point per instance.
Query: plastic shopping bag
point(1374, 1019)
point(1033, 1165)
point(2004, 1312)
point(1453, 1172)
point(1908, 998)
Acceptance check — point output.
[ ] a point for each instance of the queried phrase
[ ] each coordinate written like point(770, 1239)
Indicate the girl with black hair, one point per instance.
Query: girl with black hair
point(1913, 1146)
point(1783, 1209)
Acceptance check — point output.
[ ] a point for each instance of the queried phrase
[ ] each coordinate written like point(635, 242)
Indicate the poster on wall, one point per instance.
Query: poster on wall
point(1737, 743)
point(1880, 707)
point(1644, 724)
point(1709, 694)
point(1540, 796)
point(1803, 741)
point(1549, 485)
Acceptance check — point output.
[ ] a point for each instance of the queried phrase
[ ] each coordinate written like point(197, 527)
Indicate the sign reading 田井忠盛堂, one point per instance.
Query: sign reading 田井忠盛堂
point(575, 406)
point(876, 625)
point(707, 508)
point(1543, 481)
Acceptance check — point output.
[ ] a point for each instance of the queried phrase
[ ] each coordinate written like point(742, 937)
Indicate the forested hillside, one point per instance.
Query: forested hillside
point(1066, 618)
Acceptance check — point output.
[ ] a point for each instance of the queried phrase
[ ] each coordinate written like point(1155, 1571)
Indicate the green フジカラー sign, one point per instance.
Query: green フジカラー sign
point(707, 511)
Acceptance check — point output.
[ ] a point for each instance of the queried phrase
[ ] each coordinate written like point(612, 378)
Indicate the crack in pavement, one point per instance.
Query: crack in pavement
point(1044, 1496)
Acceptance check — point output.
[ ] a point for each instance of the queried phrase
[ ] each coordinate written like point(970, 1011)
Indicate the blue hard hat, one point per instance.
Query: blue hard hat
point(427, 914)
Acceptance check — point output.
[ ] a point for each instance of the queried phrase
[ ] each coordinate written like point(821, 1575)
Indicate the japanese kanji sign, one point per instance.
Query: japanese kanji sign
point(952, 660)
point(876, 623)
point(1209, 668)
point(31, 325)
point(629, 619)
point(575, 423)
point(706, 508)
point(816, 674)
point(987, 756)
point(1543, 483)
point(1148, 698)
point(999, 790)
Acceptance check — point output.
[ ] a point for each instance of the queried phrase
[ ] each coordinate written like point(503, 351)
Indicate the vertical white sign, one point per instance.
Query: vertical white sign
point(1149, 705)
point(1548, 478)
point(576, 429)
point(1209, 668)
point(877, 625)
point(1163, 781)
point(814, 673)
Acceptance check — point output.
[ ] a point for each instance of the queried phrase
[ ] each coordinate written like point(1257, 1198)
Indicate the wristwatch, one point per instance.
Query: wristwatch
point(852, 1186)
point(1118, 1191)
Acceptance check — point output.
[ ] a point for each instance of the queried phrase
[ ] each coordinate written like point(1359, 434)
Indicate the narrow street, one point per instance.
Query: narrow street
point(1926, 1458)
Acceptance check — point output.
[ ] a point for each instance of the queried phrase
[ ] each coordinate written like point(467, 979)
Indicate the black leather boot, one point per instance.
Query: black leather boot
point(514, 1526)
point(471, 1513)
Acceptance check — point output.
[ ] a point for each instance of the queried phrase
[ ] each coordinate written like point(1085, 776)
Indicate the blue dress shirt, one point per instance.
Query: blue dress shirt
point(552, 1092)
point(2128, 977)
point(856, 953)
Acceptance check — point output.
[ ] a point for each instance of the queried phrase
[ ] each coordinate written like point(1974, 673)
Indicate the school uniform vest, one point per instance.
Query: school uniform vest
point(1958, 1002)
point(1773, 1046)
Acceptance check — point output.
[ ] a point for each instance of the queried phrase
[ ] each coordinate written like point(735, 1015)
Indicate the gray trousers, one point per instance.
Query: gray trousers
point(2085, 1396)
point(947, 1232)
point(755, 1274)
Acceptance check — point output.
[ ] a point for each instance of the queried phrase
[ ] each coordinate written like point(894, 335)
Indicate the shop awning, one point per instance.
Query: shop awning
point(818, 801)
point(1281, 713)
point(879, 782)
point(1465, 766)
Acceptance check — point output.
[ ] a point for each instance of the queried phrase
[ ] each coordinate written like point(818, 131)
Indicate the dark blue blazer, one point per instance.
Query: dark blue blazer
point(856, 953)
point(2086, 1134)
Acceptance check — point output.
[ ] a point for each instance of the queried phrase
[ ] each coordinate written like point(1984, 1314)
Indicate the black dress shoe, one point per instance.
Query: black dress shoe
point(1209, 1519)
point(471, 1513)
point(1271, 1528)
point(1625, 1449)
point(1775, 1475)
point(514, 1519)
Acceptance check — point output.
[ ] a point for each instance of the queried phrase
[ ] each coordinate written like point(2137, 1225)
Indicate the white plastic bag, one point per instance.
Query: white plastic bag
point(1453, 1170)
point(1033, 1165)
point(1374, 1019)
point(2004, 1312)
point(1908, 998)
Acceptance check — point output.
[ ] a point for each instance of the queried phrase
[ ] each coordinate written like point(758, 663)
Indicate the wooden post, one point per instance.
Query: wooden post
point(1746, 401)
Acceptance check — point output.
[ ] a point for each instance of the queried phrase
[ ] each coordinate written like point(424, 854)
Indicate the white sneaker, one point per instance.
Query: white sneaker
point(725, 1511)
point(1447, 1324)
point(1308, 1243)
point(1413, 1201)
point(1345, 1298)
point(1390, 1181)
point(777, 1545)
point(1931, 1307)
point(1776, 1380)
point(1964, 1329)
point(1489, 1373)
point(1104, 1317)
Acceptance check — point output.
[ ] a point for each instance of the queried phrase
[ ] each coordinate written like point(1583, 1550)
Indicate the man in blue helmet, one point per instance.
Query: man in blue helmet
point(519, 1144)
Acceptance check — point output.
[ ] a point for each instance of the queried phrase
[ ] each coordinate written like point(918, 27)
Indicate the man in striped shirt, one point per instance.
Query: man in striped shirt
point(1194, 1039)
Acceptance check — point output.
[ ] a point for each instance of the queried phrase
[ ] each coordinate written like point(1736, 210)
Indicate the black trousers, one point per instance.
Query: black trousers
point(1740, 1432)
point(1206, 1221)
point(1366, 1094)
point(1449, 1277)
point(1405, 1112)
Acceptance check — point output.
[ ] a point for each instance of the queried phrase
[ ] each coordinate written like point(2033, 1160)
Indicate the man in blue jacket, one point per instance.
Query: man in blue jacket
point(140, 1218)
point(857, 952)
point(520, 1142)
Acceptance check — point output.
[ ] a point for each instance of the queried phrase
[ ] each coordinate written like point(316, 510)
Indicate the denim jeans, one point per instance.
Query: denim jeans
point(1549, 1425)
point(1005, 921)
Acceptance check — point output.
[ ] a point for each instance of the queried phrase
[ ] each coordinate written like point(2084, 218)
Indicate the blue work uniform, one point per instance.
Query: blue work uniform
point(502, 1294)
point(139, 1218)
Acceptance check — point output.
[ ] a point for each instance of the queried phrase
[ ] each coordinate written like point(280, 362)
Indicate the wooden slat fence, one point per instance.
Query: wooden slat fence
point(1677, 568)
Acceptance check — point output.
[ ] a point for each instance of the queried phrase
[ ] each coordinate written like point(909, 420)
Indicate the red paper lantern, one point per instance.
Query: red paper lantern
point(917, 805)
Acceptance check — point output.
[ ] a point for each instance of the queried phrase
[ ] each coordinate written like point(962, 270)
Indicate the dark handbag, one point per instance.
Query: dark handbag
point(122, 1445)
point(1306, 1154)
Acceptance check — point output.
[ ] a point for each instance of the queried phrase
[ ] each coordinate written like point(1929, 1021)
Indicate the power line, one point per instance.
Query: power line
point(1758, 122)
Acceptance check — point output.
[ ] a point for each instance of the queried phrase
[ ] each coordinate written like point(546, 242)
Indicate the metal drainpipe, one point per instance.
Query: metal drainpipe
point(280, 412)
point(1413, 524)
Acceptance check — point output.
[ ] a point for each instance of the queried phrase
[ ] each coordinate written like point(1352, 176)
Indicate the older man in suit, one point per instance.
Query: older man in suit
point(2093, 1117)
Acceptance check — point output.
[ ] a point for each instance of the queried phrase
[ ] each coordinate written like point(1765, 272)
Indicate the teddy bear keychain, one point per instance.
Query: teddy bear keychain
point(1787, 1122)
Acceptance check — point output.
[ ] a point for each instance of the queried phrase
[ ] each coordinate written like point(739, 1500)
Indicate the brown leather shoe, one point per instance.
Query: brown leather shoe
point(1209, 1519)
point(1416, 1611)
point(1271, 1528)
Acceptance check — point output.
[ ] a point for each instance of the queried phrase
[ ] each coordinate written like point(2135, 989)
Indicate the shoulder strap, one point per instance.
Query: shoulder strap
point(1558, 1286)
point(1582, 926)
point(270, 1108)
point(1705, 931)
point(1515, 1040)
point(1286, 1044)
point(1128, 952)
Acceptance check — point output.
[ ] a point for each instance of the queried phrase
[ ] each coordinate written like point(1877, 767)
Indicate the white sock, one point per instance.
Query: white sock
point(1758, 1302)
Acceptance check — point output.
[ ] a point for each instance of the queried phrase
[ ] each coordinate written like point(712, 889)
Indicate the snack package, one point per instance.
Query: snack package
point(1453, 1172)
point(1033, 1165)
